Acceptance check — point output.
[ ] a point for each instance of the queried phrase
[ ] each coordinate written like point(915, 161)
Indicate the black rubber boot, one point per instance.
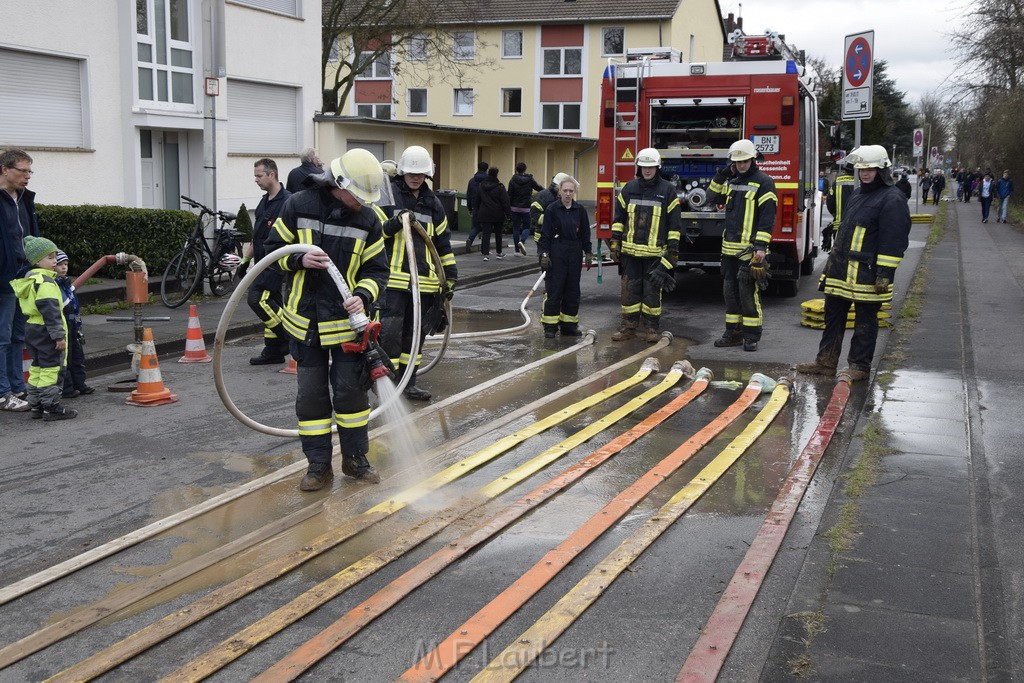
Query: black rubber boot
point(358, 467)
point(317, 477)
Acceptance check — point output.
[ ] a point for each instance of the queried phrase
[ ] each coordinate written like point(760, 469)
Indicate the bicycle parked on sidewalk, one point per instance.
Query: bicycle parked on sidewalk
point(197, 261)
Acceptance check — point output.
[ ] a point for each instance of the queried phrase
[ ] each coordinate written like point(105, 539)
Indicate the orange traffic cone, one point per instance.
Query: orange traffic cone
point(291, 369)
point(26, 361)
point(195, 347)
point(151, 390)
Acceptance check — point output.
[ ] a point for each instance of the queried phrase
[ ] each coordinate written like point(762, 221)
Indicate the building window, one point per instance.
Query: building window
point(289, 7)
point(463, 102)
point(416, 49)
point(512, 101)
point(335, 52)
point(465, 45)
point(374, 111)
point(563, 61)
point(417, 100)
point(164, 52)
point(262, 118)
point(511, 44)
point(613, 41)
point(379, 68)
point(560, 117)
point(42, 100)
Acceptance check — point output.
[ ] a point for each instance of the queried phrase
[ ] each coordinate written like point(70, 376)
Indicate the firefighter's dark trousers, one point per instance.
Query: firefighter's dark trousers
point(397, 330)
point(562, 286)
point(742, 300)
point(264, 298)
point(350, 407)
point(865, 332)
point(641, 299)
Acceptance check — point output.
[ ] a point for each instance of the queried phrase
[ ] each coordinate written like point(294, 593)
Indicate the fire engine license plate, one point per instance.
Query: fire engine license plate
point(766, 144)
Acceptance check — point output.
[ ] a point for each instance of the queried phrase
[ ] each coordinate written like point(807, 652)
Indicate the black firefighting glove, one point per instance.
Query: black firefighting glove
point(545, 262)
point(827, 233)
point(613, 248)
point(661, 277)
point(449, 289)
point(882, 285)
point(759, 273)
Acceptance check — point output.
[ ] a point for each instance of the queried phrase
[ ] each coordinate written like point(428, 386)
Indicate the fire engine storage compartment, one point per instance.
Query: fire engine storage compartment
point(693, 136)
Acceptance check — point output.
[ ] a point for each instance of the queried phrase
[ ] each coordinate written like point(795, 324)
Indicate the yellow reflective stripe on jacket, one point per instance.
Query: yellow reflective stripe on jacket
point(886, 261)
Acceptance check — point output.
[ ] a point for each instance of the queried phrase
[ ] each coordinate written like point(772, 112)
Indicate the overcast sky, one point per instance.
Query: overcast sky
point(910, 36)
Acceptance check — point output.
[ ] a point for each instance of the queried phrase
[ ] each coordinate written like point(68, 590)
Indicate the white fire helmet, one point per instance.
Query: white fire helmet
point(869, 156)
point(648, 157)
point(359, 172)
point(741, 150)
point(557, 179)
point(415, 159)
point(389, 167)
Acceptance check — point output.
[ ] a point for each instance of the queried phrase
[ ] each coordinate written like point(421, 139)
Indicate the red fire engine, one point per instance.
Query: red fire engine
point(691, 113)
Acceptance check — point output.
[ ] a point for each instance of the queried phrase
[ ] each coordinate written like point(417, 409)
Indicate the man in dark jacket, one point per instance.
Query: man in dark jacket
point(264, 296)
point(411, 194)
point(338, 218)
point(520, 192)
point(472, 202)
point(309, 164)
point(749, 197)
point(492, 208)
point(17, 221)
point(869, 246)
point(904, 186)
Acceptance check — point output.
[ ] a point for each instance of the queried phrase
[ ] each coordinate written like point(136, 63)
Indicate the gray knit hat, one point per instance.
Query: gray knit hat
point(37, 248)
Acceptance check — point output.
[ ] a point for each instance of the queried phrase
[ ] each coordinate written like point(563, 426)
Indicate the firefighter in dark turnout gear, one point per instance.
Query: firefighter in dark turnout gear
point(564, 242)
point(412, 195)
point(749, 198)
point(869, 246)
point(541, 201)
point(645, 235)
point(837, 197)
point(336, 217)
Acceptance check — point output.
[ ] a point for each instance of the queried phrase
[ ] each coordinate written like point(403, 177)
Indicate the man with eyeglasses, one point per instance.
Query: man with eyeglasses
point(17, 221)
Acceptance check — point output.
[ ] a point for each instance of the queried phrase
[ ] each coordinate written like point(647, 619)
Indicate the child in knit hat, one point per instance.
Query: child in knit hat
point(74, 378)
point(46, 330)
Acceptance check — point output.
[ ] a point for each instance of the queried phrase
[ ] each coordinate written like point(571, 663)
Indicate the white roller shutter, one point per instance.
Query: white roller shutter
point(289, 7)
point(262, 118)
point(41, 99)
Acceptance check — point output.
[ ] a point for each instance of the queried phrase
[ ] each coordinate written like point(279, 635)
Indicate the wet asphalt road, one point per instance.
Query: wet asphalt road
point(75, 485)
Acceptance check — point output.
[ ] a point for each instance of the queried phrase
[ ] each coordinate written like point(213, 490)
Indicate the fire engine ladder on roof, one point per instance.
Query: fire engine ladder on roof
point(627, 84)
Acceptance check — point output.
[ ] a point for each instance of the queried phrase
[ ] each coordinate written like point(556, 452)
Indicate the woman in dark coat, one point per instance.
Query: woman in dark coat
point(493, 207)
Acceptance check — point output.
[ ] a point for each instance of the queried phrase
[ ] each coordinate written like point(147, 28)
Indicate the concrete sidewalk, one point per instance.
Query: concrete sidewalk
point(917, 592)
point(106, 341)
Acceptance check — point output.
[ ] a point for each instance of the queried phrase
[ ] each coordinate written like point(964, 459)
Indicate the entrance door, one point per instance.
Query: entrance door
point(162, 159)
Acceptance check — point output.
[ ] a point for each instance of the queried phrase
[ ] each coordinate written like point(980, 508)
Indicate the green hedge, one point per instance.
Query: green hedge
point(87, 233)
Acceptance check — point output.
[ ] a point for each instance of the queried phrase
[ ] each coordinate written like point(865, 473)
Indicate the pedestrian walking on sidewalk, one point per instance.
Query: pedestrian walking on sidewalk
point(74, 377)
point(46, 330)
point(264, 296)
point(986, 190)
point(564, 243)
point(859, 272)
point(17, 221)
point(472, 203)
point(494, 209)
point(333, 383)
point(520, 195)
point(926, 185)
point(938, 185)
point(309, 164)
point(1004, 188)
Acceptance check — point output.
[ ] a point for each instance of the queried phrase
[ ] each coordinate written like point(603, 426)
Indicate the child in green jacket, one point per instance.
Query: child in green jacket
point(46, 330)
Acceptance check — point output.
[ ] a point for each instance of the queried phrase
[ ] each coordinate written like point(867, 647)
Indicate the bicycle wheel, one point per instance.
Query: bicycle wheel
point(181, 278)
point(222, 280)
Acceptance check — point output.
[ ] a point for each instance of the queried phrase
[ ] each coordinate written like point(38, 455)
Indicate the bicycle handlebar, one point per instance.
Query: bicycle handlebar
point(224, 216)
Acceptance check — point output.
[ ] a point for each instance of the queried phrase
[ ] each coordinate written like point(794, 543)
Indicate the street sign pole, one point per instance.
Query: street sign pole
point(858, 80)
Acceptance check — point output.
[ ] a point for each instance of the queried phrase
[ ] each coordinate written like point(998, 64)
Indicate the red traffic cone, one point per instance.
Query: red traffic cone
point(195, 347)
point(151, 390)
point(291, 369)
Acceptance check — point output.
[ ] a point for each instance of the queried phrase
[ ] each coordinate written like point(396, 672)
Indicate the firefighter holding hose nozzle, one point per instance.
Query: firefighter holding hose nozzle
point(333, 379)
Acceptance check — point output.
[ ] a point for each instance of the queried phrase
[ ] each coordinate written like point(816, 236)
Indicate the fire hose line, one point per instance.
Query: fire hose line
point(527, 647)
point(723, 626)
point(243, 641)
point(472, 632)
point(376, 605)
point(218, 599)
point(35, 581)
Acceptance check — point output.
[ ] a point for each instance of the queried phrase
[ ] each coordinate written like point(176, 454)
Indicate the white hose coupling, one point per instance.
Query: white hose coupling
point(766, 382)
point(684, 367)
point(704, 374)
point(651, 364)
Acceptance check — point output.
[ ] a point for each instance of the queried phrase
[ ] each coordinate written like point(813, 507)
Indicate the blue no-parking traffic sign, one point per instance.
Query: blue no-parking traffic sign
point(858, 73)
